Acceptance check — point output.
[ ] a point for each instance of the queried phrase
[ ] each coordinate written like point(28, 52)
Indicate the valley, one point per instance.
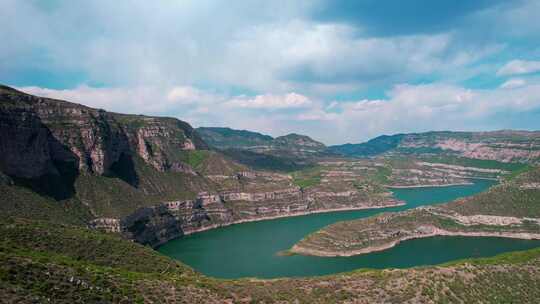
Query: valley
point(81, 186)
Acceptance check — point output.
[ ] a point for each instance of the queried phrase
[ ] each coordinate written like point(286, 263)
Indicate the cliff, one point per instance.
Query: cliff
point(149, 178)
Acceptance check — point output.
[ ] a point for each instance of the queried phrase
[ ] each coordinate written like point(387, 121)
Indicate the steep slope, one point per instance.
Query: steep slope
point(226, 138)
point(375, 146)
point(284, 153)
point(149, 178)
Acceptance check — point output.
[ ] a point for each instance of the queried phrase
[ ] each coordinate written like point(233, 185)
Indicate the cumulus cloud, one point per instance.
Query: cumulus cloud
point(258, 58)
point(517, 67)
point(408, 108)
point(153, 100)
point(269, 101)
point(416, 108)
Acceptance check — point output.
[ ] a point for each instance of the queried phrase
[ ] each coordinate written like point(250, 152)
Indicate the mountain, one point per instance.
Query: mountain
point(372, 147)
point(226, 138)
point(502, 146)
point(284, 153)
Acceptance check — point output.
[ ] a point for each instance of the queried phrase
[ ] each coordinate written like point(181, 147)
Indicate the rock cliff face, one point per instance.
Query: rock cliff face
point(148, 178)
point(42, 137)
point(161, 223)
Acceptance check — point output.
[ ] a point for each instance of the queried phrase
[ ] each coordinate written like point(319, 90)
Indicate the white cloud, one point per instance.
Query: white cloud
point(150, 100)
point(417, 108)
point(518, 67)
point(408, 108)
point(269, 101)
point(513, 83)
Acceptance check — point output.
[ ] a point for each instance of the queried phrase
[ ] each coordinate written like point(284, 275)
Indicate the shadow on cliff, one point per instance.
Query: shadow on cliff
point(124, 169)
point(34, 158)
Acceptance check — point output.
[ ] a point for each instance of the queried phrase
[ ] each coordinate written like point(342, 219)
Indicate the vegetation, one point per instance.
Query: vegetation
point(195, 158)
point(372, 147)
point(477, 163)
point(262, 161)
point(308, 177)
point(46, 262)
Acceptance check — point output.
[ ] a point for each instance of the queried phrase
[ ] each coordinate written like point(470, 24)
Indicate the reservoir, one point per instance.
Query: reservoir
point(251, 249)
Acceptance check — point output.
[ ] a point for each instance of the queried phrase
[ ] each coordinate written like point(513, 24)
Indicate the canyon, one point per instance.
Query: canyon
point(81, 187)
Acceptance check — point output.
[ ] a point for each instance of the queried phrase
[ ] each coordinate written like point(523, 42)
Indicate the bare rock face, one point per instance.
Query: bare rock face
point(39, 133)
point(152, 226)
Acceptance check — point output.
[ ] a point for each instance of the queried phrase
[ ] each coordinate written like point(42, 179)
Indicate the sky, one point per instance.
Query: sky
point(336, 70)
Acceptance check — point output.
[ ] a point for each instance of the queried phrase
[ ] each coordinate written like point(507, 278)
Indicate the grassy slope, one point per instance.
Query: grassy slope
point(42, 261)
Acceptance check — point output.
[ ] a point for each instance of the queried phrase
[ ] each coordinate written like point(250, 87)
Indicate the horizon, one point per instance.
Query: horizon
point(312, 137)
point(336, 71)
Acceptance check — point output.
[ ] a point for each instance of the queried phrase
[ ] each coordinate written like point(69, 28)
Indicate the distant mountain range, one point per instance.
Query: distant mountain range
point(504, 145)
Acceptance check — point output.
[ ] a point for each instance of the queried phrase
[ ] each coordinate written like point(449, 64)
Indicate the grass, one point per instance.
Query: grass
point(47, 262)
point(477, 163)
point(195, 158)
point(308, 177)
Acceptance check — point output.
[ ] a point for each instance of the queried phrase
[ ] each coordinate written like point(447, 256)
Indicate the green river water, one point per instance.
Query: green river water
point(250, 249)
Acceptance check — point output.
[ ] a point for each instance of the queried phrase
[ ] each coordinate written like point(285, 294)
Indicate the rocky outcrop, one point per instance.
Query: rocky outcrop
point(158, 224)
point(152, 226)
point(42, 137)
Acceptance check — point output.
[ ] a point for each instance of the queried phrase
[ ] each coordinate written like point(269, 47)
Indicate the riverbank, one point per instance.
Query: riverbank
point(296, 249)
point(295, 214)
point(505, 211)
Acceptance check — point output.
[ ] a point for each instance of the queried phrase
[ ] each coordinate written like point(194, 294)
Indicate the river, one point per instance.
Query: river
point(251, 249)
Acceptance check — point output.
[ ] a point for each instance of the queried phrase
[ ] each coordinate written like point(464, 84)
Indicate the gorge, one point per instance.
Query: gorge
point(80, 187)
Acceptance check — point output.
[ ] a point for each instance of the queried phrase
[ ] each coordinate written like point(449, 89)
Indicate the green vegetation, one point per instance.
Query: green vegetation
point(372, 147)
point(195, 158)
point(224, 138)
point(477, 163)
point(308, 177)
point(262, 161)
point(382, 174)
point(46, 262)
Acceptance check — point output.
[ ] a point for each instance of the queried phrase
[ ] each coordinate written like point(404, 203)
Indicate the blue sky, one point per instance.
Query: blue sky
point(339, 71)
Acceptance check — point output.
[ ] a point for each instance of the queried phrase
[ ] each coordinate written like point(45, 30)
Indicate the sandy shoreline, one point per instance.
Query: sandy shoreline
point(439, 232)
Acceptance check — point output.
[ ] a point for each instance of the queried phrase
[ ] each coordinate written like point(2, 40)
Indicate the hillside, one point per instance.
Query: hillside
point(48, 262)
point(151, 179)
point(503, 146)
point(284, 153)
point(226, 138)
